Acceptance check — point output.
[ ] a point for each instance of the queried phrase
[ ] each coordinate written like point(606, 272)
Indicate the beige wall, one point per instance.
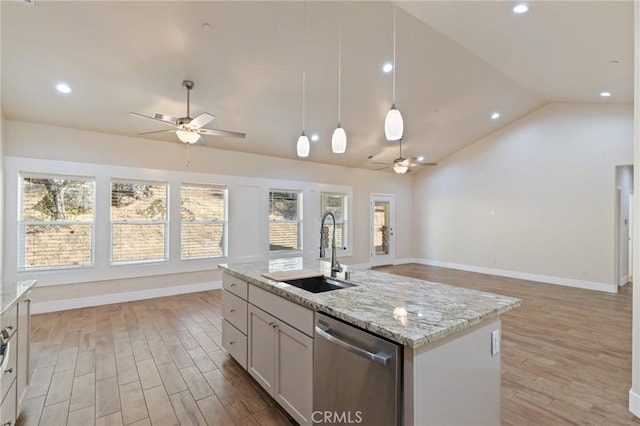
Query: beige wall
point(55, 143)
point(536, 197)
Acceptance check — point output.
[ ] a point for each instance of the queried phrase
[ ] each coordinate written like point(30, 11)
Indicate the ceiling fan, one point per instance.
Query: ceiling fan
point(189, 130)
point(402, 165)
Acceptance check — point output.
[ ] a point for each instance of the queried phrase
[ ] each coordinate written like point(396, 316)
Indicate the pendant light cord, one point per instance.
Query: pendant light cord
point(304, 62)
point(339, 70)
point(394, 54)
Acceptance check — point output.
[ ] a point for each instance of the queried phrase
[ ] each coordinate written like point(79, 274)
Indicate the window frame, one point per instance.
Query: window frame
point(166, 222)
point(22, 224)
point(299, 221)
point(224, 222)
point(345, 215)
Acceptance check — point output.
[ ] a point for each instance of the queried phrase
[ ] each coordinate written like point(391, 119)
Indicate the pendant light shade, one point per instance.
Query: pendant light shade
point(393, 124)
point(188, 136)
point(401, 166)
point(303, 146)
point(339, 140)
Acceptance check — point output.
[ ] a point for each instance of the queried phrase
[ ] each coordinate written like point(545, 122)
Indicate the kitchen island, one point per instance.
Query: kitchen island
point(450, 336)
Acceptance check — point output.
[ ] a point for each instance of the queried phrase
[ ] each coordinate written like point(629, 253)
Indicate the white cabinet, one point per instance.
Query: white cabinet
point(280, 357)
point(23, 335)
point(234, 312)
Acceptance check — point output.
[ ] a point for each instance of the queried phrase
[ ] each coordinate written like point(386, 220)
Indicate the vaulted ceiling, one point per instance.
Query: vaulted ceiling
point(457, 63)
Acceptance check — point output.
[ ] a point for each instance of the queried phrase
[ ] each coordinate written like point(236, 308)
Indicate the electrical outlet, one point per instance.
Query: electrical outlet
point(495, 342)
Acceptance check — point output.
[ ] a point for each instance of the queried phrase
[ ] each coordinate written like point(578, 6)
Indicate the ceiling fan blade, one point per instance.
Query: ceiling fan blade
point(201, 120)
point(381, 168)
point(377, 162)
point(155, 118)
point(423, 164)
point(166, 118)
point(157, 131)
point(223, 133)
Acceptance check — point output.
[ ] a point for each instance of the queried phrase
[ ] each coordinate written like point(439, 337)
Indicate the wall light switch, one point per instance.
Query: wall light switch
point(495, 342)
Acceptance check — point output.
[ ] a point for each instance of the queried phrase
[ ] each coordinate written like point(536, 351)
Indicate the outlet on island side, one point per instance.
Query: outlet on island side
point(495, 342)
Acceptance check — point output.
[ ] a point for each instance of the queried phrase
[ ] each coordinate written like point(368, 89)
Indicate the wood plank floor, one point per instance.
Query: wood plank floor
point(566, 352)
point(566, 359)
point(151, 362)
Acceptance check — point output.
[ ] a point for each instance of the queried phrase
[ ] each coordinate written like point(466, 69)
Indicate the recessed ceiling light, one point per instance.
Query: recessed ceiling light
point(206, 26)
point(421, 158)
point(315, 137)
point(495, 115)
point(63, 88)
point(387, 67)
point(520, 8)
point(605, 94)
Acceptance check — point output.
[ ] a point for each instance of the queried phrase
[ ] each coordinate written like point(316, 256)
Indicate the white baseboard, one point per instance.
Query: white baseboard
point(634, 403)
point(107, 299)
point(623, 280)
point(404, 261)
point(548, 279)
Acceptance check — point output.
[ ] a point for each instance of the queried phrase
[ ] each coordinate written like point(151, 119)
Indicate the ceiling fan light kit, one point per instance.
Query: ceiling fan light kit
point(188, 136)
point(401, 166)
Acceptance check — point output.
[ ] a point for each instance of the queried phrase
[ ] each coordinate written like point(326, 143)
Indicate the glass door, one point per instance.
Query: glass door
point(382, 235)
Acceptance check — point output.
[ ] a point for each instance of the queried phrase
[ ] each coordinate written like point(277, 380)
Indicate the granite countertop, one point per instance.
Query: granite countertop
point(408, 311)
point(10, 293)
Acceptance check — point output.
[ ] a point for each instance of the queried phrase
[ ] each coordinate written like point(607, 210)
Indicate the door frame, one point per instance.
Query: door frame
point(390, 258)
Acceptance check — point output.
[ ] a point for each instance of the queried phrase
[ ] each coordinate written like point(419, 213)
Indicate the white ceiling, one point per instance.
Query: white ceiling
point(457, 62)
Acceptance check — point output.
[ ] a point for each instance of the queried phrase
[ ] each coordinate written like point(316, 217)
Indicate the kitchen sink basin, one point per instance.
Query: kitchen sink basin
point(318, 284)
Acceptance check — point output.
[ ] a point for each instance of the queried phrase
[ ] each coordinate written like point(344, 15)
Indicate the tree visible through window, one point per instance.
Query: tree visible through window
point(285, 220)
point(56, 222)
point(203, 221)
point(139, 222)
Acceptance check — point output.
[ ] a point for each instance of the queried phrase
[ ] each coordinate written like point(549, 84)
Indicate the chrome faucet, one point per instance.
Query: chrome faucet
point(335, 266)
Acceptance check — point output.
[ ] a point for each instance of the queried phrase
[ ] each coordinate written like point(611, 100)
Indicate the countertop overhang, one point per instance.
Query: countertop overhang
point(12, 291)
point(405, 310)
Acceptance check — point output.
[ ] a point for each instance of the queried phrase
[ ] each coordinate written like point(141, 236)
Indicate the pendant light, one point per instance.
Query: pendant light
point(303, 146)
point(393, 123)
point(339, 137)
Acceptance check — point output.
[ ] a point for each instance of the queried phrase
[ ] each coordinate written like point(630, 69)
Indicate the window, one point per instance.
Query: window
point(138, 221)
point(203, 217)
point(336, 204)
point(285, 220)
point(56, 222)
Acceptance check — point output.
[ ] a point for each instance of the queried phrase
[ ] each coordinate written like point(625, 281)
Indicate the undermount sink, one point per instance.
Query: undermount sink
point(318, 284)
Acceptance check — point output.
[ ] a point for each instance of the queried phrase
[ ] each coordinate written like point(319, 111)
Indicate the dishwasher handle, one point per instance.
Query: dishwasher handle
point(378, 358)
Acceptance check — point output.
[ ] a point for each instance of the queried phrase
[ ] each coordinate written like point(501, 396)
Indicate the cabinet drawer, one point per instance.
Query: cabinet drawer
point(9, 320)
point(234, 310)
point(8, 407)
point(293, 314)
point(235, 343)
point(8, 368)
point(235, 285)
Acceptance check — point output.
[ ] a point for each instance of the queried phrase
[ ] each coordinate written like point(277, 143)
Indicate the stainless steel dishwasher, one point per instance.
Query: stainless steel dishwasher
point(356, 376)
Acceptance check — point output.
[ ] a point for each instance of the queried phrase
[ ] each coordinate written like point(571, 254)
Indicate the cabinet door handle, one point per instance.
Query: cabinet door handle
point(9, 370)
point(10, 327)
point(9, 423)
point(232, 285)
point(232, 310)
point(232, 342)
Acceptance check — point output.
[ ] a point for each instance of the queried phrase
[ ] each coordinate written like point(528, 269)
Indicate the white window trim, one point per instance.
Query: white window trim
point(165, 223)
point(299, 222)
point(23, 224)
point(345, 219)
point(224, 222)
point(255, 246)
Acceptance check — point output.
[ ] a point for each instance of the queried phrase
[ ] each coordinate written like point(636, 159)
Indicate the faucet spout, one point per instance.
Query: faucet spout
point(335, 266)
